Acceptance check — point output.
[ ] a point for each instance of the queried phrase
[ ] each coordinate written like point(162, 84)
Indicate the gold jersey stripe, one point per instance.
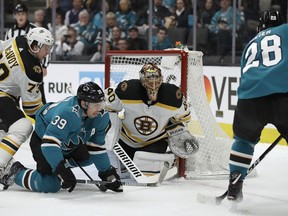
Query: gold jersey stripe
point(7, 149)
point(19, 59)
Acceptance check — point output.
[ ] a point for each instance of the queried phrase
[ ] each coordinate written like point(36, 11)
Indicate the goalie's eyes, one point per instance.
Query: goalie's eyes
point(152, 75)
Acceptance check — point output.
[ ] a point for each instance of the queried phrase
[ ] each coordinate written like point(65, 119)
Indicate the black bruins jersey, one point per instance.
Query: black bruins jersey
point(21, 74)
point(145, 122)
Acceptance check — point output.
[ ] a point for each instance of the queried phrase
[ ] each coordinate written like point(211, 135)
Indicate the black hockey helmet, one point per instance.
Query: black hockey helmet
point(270, 19)
point(90, 92)
point(20, 7)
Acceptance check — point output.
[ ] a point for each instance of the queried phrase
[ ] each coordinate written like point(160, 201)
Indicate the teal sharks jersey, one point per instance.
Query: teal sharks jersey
point(264, 64)
point(61, 126)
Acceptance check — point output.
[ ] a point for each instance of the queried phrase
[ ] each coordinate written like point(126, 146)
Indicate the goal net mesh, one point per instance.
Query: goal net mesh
point(184, 69)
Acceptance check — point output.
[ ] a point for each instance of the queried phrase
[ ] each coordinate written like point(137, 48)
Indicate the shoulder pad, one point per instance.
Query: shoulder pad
point(170, 94)
point(130, 90)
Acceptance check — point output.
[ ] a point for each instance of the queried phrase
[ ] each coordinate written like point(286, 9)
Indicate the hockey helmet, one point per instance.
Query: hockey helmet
point(90, 92)
point(40, 36)
point(269, 19)
point(20, 7)
point(151, 78)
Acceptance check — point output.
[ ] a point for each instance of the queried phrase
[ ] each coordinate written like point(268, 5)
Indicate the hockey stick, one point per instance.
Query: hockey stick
point(131, 183)
point(99, 185)
point(125, 183)
point(134, 170)
point(217, 200)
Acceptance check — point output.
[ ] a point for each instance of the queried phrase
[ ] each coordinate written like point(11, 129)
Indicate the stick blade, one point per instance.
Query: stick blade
point(163, 172)
point(202, 198)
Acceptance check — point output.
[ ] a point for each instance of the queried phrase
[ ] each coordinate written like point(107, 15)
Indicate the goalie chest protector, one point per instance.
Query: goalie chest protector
point(144, 121)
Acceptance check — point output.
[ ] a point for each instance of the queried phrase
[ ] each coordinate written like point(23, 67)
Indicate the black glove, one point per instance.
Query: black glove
point(110, 175)
point(69, 180)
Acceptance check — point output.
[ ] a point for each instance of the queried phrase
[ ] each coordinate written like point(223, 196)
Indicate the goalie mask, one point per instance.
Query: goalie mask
point(151, 78)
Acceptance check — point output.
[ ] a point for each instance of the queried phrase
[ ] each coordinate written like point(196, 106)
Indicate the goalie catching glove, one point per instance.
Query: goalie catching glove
point(181, 142)
point(111, 175)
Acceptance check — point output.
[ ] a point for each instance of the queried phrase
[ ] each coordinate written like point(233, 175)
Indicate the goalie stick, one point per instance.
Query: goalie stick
point(201, 198)
point(131, 183)
point(134, 170)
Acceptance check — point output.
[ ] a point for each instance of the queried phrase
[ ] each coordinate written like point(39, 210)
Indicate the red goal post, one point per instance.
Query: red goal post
point(184, 69)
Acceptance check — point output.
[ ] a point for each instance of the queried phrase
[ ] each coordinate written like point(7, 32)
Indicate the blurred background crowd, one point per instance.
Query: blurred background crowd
point(218, 28)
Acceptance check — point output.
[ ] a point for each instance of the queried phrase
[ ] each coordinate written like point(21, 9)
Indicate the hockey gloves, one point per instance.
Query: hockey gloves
point(181, 142)
point(67, 176)
point(110, 175)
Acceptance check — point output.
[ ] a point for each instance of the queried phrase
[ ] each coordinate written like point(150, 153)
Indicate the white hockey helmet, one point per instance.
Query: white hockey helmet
point(40, 36)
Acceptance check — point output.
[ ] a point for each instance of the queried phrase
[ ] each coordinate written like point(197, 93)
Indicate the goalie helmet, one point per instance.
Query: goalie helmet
point(40, 36)
point(269, 19)
point(90, 92)
point(151, 78)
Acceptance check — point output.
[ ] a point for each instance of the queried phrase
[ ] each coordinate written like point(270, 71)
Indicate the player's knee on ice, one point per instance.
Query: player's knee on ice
point(35, 181)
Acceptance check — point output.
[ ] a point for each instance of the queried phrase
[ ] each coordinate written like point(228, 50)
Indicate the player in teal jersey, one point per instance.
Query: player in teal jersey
point(67, 133)
point(262, 95)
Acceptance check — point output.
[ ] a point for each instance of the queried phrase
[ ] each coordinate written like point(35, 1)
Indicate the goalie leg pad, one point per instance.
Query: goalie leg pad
point(17, 134)
point(152, 162)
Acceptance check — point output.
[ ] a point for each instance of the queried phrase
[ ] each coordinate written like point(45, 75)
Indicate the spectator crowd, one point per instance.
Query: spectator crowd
point(78, 25)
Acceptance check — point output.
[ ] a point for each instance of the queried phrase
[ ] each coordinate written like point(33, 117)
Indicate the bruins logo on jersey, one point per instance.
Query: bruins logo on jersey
point(124, 86)
point(145, 125)
point(37, 69)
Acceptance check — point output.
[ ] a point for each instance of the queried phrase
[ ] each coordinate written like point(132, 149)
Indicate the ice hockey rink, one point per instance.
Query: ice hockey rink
point(265, 194)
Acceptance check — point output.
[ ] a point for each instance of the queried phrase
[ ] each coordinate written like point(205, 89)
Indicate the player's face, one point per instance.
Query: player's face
point(94, 109)
point(44, 51)
point(21, 18)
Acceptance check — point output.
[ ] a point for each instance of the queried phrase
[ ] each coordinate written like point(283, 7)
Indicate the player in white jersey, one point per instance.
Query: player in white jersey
point(22, 26)
point(20, 77)
point(150, 106)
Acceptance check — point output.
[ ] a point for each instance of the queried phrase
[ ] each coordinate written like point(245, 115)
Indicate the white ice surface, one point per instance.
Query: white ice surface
point(265, 194)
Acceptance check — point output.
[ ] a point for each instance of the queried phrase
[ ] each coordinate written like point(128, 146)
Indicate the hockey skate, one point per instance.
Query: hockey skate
point(8, 179)
point(4, 170)
point(235, 188)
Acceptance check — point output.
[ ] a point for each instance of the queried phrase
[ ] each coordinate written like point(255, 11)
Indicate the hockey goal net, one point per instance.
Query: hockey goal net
point(185, 69)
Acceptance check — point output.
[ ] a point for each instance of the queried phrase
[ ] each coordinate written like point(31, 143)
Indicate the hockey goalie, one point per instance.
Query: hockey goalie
point(152, 125)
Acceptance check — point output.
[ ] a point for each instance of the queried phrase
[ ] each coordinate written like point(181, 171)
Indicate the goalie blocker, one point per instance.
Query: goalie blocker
point(180, 141)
